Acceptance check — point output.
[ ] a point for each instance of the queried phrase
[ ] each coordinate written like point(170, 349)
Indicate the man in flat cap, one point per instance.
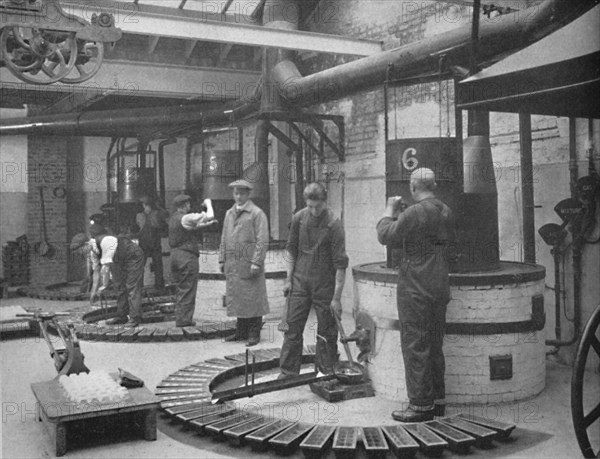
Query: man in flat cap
point(185, 233)
point(244, 244)
point(125, 260)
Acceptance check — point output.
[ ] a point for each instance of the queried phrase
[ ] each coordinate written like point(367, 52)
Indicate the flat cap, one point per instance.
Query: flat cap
point(181, 198)
point(241, 184)
point(96, 229)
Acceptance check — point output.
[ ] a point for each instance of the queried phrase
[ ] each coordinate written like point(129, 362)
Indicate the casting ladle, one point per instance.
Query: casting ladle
point(348, 372)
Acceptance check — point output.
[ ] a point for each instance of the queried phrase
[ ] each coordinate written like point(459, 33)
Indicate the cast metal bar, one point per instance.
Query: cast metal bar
point(269, 386)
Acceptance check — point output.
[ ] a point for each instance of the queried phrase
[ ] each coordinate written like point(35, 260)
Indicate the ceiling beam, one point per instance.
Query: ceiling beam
point(225, 50)
point(74, 102)
point(152, 42)
point(169, 23)
point(123, 78)
point(190, 45)
point(226, 6)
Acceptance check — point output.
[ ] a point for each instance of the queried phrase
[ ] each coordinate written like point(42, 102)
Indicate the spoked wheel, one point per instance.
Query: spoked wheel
point(581, 421)
point(89, 59)
point(36, 55)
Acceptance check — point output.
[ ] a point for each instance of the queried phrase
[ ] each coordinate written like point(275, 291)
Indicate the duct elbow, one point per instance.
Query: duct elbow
point(285, 75)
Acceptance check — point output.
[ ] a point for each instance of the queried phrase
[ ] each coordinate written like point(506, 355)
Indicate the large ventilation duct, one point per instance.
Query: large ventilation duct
point(506, 33)
point(276, 14)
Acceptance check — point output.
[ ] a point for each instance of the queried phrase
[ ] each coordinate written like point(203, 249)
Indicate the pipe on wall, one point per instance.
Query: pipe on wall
point(577, 251)
point(161, 169)
point(527, 188)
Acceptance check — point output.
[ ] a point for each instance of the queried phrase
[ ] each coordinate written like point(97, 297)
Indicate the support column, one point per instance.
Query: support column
point(527, 188)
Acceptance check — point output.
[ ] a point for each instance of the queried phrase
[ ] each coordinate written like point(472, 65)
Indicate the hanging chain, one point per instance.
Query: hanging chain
point(448, 108)
point(440, 104)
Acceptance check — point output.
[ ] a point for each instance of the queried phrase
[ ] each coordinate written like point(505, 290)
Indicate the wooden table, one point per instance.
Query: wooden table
point(59, 414)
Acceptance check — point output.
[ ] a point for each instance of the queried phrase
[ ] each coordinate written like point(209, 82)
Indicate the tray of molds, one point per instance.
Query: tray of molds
point(93, 387)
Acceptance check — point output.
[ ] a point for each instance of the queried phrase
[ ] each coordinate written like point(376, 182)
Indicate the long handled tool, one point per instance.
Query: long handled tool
point(283, 325)
point(348, 372)
point(70, 359)
point(44, 248)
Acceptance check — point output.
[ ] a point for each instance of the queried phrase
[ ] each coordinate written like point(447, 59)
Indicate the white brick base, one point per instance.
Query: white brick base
point(467, 356)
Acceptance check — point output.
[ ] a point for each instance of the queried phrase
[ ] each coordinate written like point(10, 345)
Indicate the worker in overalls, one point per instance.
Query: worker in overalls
point(152, 222)
point(124, 259)
point(316, 270)
point(185, 233)
point(422, 232)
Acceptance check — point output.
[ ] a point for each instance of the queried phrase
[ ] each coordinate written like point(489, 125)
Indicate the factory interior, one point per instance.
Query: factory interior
point(106, 104)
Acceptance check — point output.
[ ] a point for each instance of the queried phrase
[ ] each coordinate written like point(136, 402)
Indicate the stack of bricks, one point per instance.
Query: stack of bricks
point(15, 262)
point(47, 168)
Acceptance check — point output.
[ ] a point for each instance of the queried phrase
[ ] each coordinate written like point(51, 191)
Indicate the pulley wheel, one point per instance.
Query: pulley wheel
point(36, 55)
point(581, 421)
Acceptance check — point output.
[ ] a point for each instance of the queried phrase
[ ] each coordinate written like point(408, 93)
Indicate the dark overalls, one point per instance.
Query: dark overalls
point(318, 247)
point(150, 242)
point(128, 274)
point(184, 268)
point(422, 232)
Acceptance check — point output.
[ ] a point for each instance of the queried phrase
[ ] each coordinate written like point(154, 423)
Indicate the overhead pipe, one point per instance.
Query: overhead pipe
point(506, 33)
point(479, 229)
point(137, 122)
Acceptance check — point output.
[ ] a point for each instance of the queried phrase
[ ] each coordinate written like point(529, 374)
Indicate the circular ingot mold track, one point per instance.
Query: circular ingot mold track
point(186, 398)
point(87, 326)
point(70, 292)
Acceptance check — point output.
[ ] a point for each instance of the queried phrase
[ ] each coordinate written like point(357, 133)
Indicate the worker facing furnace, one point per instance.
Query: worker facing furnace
point(422, 232)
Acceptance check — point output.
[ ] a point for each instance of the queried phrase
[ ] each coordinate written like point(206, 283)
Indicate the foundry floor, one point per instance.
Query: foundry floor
point(544, 426)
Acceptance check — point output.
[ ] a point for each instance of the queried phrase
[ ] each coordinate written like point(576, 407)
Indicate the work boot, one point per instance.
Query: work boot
point(439, 409)
point(254, 326)
point(241, 331)
point(117, 321)
point(412, 414)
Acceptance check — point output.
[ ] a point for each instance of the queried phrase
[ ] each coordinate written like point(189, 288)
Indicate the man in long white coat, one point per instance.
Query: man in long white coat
point(242, 259)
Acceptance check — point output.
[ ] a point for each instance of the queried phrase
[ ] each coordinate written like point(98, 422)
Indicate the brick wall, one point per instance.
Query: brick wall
point(47, 168)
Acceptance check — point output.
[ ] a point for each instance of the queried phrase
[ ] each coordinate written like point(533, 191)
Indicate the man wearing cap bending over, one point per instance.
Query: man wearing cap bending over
point(316, 270)
point(185, 231)
point(242, 259)
point(422, 232)
point(125, 260)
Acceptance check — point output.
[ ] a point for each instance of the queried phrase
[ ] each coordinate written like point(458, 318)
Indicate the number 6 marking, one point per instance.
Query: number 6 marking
point(409, 160)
